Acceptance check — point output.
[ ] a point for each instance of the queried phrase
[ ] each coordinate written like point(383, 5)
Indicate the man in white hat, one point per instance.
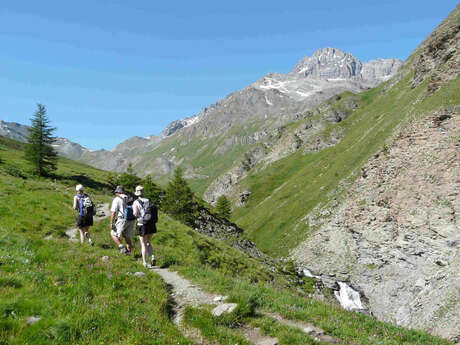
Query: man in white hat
point(120, 225)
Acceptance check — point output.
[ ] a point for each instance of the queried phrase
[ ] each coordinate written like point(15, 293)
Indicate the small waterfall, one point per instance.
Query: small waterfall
point(349, 299)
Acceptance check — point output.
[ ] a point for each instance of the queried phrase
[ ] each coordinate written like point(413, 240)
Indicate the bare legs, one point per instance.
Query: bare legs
point(146, 248)
point(128, 244)
point(84, 233)
point(117, 240)
point(119, 243)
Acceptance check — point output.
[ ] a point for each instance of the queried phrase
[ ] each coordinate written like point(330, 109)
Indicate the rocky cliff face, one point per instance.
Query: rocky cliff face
point(329, 63)
point(396, 238)
point(377, 71)
point(335, 65)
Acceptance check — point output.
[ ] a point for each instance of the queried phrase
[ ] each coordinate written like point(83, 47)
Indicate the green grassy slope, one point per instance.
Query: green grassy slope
point(82, 299)
point(200, 155)
point(289, 189)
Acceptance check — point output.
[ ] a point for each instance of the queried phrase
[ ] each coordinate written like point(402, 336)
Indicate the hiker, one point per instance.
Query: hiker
point(85, 207)
point(147, 216)
point(122, 220)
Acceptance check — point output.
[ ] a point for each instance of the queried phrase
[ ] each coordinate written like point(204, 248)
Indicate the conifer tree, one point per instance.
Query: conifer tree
point(113, 179)
point(39, 150)
point(223, 207)
point(151, 190)
point(129, 179)
point(179, 200)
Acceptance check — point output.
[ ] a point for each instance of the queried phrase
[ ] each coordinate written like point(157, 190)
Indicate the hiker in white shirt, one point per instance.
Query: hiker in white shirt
point(119, 226)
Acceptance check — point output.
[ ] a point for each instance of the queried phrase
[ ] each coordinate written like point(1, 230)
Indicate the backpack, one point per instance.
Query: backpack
point(86, 206)
point(148, 213)
point(128, 213)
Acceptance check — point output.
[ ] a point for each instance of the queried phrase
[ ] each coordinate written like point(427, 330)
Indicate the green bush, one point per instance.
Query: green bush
point(13, 171)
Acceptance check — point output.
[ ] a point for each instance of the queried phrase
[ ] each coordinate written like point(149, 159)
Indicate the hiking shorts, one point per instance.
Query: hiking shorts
point(84, 221)
point(123, 228)
point(143, 230)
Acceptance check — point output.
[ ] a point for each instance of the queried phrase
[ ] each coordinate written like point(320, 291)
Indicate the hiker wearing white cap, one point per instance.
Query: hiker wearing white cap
point(85, 207)
point(147, 216)
point(122, 221)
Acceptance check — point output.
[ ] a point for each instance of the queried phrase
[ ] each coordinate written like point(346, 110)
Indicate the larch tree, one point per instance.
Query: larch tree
point(39, 150)
point(179, 200)
point(223, 207)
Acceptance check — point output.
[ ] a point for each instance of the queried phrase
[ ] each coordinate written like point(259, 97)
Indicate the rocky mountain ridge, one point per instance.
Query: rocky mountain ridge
point(271, 102)
point(281, 142)
point(224, 131)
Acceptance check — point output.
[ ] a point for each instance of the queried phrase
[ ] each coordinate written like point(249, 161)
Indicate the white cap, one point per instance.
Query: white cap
point(139, 190)
point(79, 187)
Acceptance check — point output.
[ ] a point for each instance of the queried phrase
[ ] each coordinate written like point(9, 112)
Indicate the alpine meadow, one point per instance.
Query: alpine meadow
point(318, 206)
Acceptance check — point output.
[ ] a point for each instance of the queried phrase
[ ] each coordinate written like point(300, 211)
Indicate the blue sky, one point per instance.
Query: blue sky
point(109, 70)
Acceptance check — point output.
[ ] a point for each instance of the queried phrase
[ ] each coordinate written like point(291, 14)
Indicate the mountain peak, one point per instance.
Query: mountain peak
point(328, 63)
point(334, 64)
point(330, 51)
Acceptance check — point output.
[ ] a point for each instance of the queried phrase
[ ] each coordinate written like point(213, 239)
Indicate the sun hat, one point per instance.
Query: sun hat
point(119, 189)
point(79, 187)
point(139, 190)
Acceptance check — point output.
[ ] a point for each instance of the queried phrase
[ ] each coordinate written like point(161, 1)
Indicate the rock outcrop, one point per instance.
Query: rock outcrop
point(222, 229)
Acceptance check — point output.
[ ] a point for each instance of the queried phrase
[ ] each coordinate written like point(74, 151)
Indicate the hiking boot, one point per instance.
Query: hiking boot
point(123, 250)
point(90, 241)
point(153, 262)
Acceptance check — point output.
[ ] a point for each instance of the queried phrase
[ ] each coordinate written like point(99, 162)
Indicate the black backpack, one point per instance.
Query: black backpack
point(150, 215)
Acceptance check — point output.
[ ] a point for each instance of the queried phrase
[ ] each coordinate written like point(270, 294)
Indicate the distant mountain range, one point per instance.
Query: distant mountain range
point(272, 101)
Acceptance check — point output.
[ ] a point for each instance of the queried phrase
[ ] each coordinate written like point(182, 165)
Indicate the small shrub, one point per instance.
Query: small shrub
point(13, 171)
point(385, 150)
point(168, 260)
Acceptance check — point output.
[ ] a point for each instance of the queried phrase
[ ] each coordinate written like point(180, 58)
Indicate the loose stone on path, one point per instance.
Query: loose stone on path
point(224, 308)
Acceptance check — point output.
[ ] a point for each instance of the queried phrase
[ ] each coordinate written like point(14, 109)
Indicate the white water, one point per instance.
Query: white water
point(349, 299)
